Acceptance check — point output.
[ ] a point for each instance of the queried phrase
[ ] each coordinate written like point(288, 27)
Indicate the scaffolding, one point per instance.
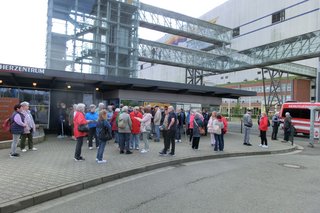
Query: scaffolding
point(93, 36)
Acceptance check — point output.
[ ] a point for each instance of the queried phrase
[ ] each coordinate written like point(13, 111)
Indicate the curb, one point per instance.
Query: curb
point(32, 200)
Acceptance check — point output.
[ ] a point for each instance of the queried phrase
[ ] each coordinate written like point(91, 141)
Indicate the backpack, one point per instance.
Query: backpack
point(121, 124)
point(104, 133)
point(6, 125)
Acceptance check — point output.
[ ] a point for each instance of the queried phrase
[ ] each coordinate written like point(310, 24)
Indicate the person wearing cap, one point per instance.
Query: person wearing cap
point(275, 126)
point(28, 129)
point(287, 127)
point(247, 122)
point(16, 128)
point(157, 121)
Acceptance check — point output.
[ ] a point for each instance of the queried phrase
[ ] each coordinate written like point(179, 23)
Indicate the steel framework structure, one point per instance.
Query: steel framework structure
point(93, 36)
point(293, 49)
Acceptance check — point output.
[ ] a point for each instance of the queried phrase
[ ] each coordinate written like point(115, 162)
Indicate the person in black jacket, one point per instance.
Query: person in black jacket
point(275, 126)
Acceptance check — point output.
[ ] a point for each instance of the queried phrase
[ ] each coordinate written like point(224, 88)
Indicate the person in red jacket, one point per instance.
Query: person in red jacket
point(263, 127)
point(114, 125)
point(79, 119)
point(225, 127)
point(135, 130)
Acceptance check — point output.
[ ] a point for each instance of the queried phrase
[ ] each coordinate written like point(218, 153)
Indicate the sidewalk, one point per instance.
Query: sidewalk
point(51, 172)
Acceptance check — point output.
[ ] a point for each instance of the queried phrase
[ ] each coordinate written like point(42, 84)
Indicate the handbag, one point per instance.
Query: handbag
point(104, 134)
point(201, 129)
point(83, 128)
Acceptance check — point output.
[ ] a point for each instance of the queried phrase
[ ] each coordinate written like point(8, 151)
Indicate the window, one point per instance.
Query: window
point(226, 77)
point(236, 32)
point(278, 16)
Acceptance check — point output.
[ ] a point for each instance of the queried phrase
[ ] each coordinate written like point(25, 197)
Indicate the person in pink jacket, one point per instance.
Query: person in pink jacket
point(263, 127)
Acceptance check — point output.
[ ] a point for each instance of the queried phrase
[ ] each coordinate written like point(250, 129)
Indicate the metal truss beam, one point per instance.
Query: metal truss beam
point(226, 60)
point(194, 77)
point(178, 24)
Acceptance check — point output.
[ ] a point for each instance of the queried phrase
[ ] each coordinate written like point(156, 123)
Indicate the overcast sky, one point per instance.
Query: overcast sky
point(23, 27)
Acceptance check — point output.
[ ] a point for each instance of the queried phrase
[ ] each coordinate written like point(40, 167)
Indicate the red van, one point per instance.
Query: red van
point(300, 114)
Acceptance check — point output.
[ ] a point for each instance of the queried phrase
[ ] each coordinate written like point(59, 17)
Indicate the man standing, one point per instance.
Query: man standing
point(287, 127)
point(124, 129)
point(135, 130)
point(28, 129)
point(247, 122)
point(275, 126)
point(156, 121)
point(172, 127)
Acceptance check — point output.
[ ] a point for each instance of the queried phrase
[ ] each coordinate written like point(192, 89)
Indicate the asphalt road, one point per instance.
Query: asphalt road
point(273, 183)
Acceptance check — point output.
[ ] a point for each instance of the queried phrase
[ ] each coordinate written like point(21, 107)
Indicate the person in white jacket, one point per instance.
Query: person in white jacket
point(145, 128)
point(210, 127)
point(29, 129)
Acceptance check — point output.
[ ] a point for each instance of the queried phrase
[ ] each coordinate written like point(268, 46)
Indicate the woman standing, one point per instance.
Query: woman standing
point(198, 122)
point(16, 128)
point(263, 127)
point(102, 123)
point(78, 120)
point(114, 125)
point(218, 126)
point(210, 127)
point(145, 128)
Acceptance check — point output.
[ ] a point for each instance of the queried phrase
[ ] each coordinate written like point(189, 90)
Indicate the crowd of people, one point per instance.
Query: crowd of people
point(132, 128)
point(264, 124)
point(128, 126)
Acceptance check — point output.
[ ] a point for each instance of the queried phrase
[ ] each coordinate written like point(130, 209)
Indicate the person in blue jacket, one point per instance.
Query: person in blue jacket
point(92, 116)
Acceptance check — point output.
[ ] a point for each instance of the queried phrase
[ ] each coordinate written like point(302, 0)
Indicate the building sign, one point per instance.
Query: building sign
point(19, 69)
point(6, 110)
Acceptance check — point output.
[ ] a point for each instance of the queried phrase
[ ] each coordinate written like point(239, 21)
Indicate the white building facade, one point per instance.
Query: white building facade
point(254, 23)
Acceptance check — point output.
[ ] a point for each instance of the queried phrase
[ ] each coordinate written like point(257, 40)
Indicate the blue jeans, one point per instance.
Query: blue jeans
point(102, 145)
point(219, 143)
point(178, 132)
point(116, 136)
point(157, 131)
point(124, 139)
point(134, 141)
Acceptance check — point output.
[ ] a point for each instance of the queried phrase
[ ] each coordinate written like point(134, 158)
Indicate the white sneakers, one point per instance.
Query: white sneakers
point(101, 161)
point(144, 150)
point(33, 149)
point(264, 146)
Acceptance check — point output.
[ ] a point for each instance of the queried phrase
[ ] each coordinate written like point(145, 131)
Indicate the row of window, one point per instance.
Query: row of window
point(275, 18)
point(259, 89)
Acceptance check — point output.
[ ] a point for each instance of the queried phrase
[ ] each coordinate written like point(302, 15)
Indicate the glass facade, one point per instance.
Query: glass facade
point(39, 102)
point(93, 36)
